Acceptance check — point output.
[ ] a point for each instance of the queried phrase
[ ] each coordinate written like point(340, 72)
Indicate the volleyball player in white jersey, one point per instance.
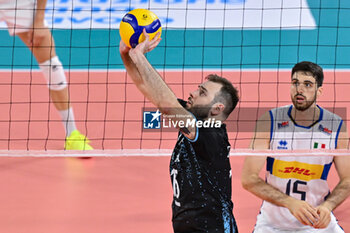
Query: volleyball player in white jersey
point(25, 18)
point(296, 195)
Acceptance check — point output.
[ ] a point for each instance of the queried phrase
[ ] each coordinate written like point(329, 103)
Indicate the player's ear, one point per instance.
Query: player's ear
point(217, 109)
point(319, 91)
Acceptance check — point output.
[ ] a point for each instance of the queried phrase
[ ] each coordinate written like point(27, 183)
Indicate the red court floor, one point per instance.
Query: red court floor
point(110, 194)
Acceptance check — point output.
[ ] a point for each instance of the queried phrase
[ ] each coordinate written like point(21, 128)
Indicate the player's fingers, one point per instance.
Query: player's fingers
point(158, 41)
point(150, 48)
point(156, 37)
point(145, 34)
point(303, 219)
point(321, 224)
point(324, 220)
point(312, 214)
point(155, 44)
point(307, 216)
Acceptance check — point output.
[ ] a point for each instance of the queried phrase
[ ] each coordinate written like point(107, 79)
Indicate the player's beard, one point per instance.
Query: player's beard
point(306, 105)
point(200, 111)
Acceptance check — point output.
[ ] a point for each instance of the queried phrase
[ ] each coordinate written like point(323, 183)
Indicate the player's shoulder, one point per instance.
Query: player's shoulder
point(329, 115)
point(278, 112)
point(281, 110)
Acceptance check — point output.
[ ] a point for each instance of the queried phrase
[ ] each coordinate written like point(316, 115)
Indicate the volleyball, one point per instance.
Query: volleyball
point(134, 22)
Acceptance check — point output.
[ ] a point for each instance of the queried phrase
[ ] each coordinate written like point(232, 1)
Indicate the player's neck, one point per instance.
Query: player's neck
point(306, 117)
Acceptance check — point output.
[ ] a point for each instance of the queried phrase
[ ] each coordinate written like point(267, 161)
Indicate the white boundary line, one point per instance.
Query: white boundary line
point(166, 152)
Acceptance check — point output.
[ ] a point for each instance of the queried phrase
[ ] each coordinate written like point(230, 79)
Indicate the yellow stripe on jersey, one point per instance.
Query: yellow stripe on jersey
point(297, 170)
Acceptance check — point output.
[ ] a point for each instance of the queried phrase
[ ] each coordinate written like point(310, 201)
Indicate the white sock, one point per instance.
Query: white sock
point(68, 121)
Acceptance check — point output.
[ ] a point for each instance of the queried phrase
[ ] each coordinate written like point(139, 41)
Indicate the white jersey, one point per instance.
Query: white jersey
point(304, 178)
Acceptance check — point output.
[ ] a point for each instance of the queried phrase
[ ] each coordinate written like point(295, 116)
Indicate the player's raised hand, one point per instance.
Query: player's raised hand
point(304, 212)
point(148, 45)
point(325, 217)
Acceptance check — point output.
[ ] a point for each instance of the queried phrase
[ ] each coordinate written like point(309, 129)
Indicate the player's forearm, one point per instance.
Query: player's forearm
point(40, 11)
point(131, 68)
point(338, 195)
point(261, 189)
point(152, 85)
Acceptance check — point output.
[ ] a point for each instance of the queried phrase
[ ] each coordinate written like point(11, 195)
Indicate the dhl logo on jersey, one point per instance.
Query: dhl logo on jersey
point(297, 170)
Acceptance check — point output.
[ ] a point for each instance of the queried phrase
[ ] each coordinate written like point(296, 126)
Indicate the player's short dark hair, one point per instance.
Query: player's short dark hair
point(310, 68)
point(228, 94)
